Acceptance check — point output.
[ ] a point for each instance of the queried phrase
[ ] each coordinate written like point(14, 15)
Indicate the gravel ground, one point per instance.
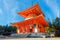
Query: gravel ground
point(30, 39)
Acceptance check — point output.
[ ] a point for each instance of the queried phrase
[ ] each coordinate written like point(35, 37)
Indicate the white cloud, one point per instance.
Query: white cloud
point(6, 4)
point(1, 11)
point(13, 14)
point(10, 6)
point(53, 6)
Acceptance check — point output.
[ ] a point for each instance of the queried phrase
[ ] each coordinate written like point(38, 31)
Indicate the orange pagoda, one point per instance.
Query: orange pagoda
point(34, 21)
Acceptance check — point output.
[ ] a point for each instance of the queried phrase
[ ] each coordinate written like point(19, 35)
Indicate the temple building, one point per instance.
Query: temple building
point(34, 21)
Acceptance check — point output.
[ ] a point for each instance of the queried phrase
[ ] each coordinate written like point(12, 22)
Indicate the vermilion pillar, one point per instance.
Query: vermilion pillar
point(42, 29)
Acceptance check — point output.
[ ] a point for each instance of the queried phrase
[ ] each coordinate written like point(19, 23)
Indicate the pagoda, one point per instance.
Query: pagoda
point(34, 21)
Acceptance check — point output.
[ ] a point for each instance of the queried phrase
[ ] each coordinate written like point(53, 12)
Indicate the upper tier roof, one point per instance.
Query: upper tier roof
point(31, 12)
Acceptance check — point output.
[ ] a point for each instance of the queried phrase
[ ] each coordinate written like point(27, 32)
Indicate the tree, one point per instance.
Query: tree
point(7, 29)
point(56, 24)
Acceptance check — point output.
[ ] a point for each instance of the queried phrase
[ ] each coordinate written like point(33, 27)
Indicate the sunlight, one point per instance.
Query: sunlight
point(36, 30)
point(18, 31)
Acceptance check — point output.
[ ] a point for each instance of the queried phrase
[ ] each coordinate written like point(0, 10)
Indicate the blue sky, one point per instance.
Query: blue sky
point(9, 9)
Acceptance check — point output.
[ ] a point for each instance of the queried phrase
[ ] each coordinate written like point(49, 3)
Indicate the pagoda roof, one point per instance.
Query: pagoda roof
point(39, 20)
point(32, 11)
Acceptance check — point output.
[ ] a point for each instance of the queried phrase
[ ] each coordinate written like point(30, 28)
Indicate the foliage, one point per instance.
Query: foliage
point(5, 29)
point(55, 27)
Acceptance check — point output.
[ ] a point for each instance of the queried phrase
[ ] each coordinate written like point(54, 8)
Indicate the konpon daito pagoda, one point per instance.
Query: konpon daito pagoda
point(34, 21)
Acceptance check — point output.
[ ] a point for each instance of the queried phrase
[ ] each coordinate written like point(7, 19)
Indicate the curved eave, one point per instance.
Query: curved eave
point(35, 10)
point(39, 20)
